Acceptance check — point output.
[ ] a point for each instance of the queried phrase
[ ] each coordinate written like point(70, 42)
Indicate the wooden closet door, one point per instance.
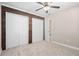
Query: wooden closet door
point(37, 29)
point(16, 30)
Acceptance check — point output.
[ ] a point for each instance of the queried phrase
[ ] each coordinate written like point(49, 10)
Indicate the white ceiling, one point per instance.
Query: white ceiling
point(32, 6)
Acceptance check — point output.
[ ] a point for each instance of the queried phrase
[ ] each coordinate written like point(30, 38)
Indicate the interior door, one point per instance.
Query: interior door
point(37, 29)
point(16, 30)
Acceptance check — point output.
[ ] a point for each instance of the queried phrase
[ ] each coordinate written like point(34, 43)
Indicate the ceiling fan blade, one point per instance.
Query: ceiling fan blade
point(55, 6)
point(39, 9)
point(45, 3)
point(40, 3)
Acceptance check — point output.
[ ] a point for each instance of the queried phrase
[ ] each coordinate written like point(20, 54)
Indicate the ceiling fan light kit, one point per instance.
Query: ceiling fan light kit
point(46, 8)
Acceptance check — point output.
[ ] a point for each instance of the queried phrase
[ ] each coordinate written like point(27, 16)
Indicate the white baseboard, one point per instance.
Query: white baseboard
point(69, 46)
point(0, 51)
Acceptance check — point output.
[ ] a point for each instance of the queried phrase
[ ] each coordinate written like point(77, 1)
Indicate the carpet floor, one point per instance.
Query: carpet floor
point(42, 48)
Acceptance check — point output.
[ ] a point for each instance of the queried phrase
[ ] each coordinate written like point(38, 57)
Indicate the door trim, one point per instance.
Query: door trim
point(5, 9)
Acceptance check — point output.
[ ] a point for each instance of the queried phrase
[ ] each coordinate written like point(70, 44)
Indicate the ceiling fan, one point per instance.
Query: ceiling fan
point(46, 6)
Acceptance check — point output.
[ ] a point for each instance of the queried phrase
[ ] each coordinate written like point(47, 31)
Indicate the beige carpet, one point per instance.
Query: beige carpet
point(42, 48)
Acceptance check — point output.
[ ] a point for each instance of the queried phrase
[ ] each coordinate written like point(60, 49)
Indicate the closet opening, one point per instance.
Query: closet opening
point(24, 15)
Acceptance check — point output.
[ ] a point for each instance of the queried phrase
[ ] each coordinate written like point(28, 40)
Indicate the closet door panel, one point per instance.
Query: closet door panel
point(16, 30)
point(37, 30)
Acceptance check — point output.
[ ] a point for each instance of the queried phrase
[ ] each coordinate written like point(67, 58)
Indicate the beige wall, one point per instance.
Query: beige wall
point(66, 27)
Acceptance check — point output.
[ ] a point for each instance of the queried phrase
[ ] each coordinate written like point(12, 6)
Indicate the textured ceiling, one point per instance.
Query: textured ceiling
point(32, 6)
